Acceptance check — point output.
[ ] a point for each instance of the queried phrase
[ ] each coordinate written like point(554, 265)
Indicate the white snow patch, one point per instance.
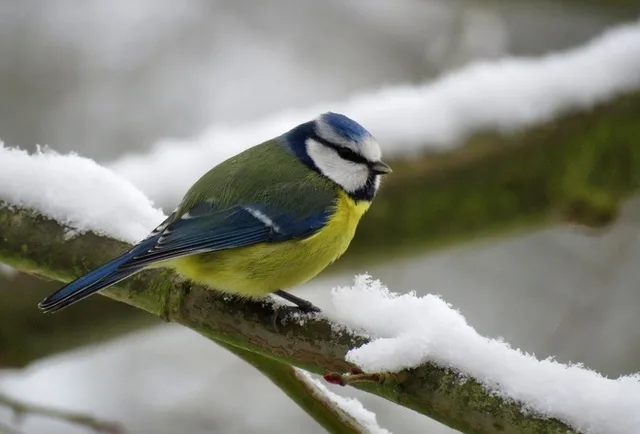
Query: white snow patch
point(7, 271)
point(77, 192)
point(503, 95)
point(409, 331)
point(350, 406)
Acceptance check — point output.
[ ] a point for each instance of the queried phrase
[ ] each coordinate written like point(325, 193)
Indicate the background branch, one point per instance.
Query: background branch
point(21, 409)
point(321, 409)
point(8, 429)
point(575, 169)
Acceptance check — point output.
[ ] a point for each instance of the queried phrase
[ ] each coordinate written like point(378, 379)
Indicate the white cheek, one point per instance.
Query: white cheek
point(371, 150)
point(351, 176)
point(354, 179)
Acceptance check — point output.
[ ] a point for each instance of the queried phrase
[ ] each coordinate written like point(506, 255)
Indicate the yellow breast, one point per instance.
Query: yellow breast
point(263, 268)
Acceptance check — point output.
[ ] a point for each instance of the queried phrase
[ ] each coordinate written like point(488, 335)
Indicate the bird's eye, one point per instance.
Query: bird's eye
point(347, 154)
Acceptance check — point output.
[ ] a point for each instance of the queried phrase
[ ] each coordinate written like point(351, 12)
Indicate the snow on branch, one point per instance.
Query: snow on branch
point(350, 406)
point(317, 344)
point(500, 95)
point(408, 331)
point(76, 192)
point(388, 332)
point(451, 365)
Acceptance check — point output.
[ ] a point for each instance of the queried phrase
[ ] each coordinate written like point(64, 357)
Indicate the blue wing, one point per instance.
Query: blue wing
point(202, 229)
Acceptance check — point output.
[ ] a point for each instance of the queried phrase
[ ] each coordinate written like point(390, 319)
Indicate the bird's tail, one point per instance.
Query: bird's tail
point(102, 277)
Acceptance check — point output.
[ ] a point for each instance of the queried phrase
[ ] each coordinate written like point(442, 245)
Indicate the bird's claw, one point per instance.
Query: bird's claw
point(284, 313)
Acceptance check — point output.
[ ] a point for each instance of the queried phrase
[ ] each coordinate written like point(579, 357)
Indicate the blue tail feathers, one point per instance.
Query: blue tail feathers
point(102, 277)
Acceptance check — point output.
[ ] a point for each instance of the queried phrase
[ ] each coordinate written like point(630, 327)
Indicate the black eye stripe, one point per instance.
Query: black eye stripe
point(342, 151)
point(348, 154)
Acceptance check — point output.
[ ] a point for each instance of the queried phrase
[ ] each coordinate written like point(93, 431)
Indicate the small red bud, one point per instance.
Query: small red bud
point(334, 378)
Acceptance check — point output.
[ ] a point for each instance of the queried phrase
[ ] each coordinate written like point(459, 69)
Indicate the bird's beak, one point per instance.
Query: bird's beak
point(379, 168)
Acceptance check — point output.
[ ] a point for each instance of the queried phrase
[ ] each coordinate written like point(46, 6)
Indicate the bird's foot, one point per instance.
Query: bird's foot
point(283, 313)
point(302, 304)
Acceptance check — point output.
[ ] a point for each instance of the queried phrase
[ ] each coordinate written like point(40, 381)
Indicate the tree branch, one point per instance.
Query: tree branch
point(576, 168)
point(38, 245)
point(322, 410)
point(26, 335)
point(8, 429)
point(21, 409)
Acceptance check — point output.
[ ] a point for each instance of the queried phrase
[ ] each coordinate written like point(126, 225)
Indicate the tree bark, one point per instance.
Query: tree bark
point(575, 169)
point(38, 245)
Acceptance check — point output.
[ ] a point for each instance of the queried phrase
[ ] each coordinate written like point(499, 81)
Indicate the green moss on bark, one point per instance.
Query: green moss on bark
point(313, 346)
point(577, 169)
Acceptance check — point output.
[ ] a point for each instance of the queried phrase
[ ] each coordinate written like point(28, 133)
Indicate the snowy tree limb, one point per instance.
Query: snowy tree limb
point(576, 168)
point(38, 245)
point(322, 410)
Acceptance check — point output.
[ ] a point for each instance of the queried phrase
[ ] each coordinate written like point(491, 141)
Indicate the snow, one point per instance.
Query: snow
point(7, 271)
point(351, 406)
point(408, 331)
point(77, 192)
point(502, 95)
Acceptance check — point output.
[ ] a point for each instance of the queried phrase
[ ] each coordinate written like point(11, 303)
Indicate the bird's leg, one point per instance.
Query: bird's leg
point(304, 305)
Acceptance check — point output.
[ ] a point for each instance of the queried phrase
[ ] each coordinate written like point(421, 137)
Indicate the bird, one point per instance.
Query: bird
point(261, 222)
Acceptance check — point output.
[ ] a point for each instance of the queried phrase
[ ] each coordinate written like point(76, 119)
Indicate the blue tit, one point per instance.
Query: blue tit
point(265, 220)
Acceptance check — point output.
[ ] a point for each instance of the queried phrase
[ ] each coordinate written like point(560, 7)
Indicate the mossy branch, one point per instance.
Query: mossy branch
point(38, 245)
point(576, 169)
point(319, 407)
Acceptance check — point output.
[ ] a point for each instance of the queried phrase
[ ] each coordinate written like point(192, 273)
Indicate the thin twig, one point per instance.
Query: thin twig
point(8, 429)
point(21, 408)
point(329, 415)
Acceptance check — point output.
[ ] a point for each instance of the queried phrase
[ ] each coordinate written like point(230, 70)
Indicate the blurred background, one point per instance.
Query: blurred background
point(108, 77)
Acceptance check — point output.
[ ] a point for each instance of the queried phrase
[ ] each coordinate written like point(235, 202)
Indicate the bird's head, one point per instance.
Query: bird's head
point(342, 150)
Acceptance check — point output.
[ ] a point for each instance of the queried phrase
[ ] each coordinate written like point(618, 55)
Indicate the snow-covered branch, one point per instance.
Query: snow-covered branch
point(318, 345)
point(429, 202)
point(502, 96)
point(470, 397)
point(61, 215)
point(351, 408)
point(298, 385)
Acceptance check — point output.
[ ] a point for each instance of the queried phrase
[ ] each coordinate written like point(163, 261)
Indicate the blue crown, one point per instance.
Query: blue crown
point(344, 127)
point(328, 127)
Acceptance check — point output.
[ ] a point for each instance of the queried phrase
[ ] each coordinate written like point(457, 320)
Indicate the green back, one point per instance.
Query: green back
point(264, 174)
